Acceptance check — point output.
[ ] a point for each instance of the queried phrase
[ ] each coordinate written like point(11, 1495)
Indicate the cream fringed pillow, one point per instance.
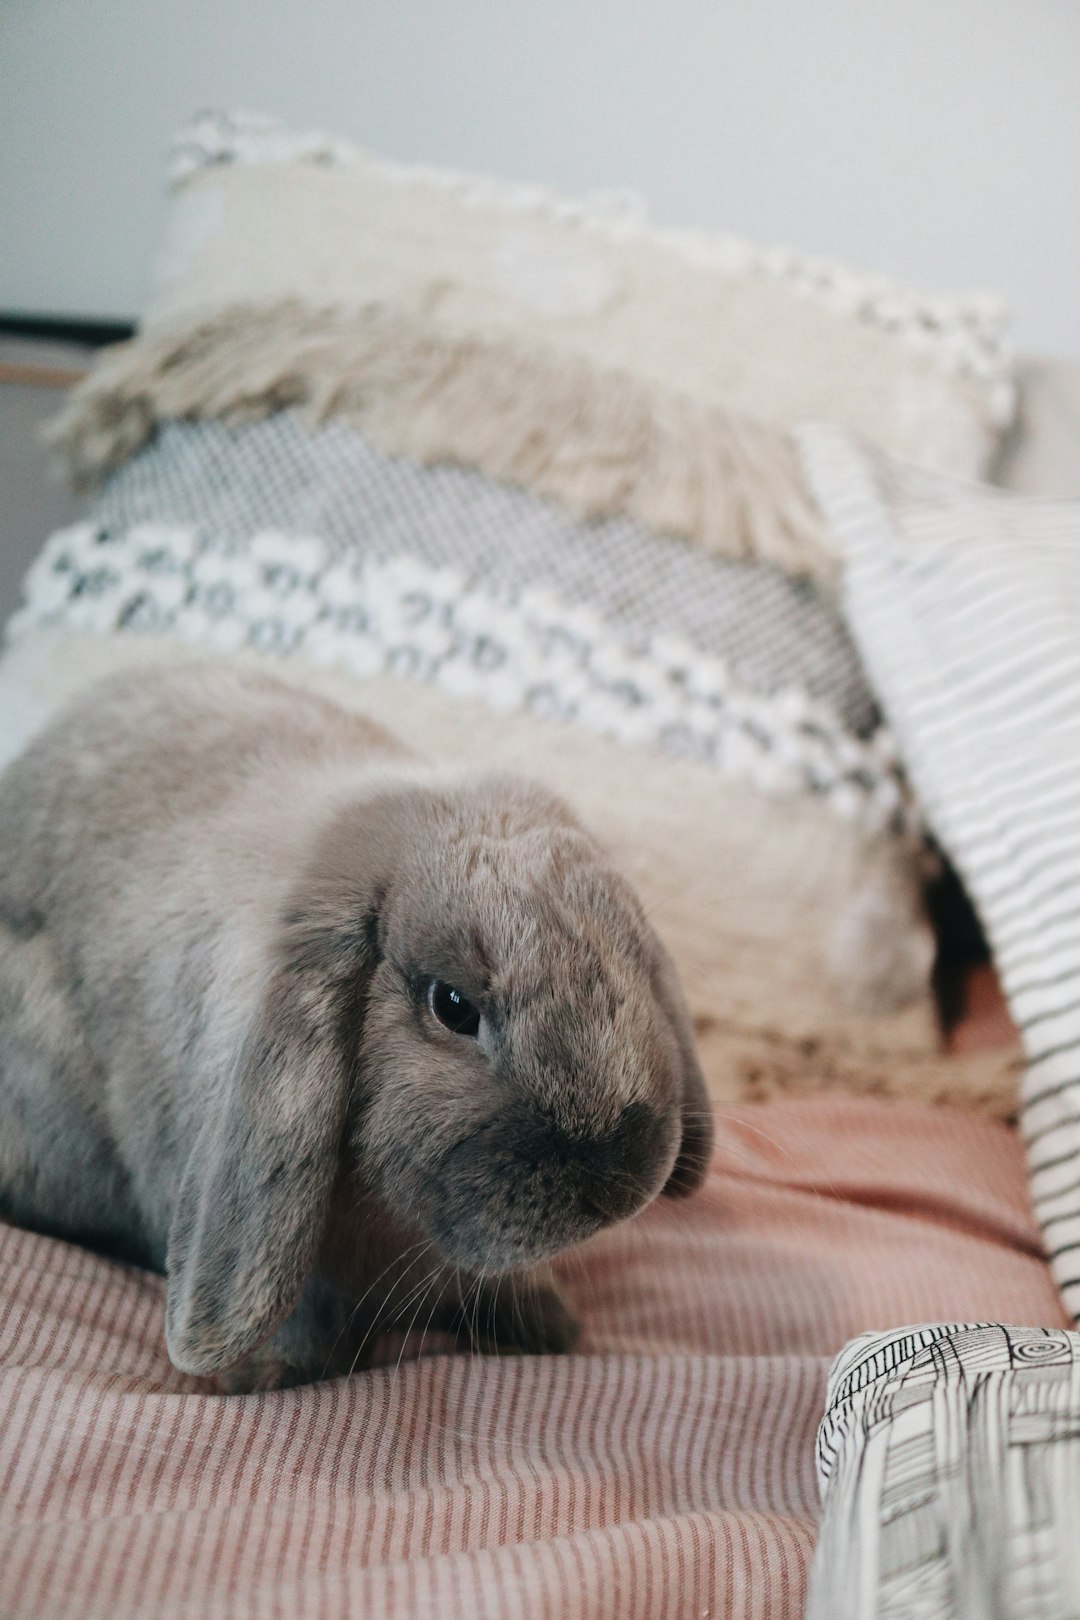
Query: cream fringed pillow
point(564, 345)
point(513, 476)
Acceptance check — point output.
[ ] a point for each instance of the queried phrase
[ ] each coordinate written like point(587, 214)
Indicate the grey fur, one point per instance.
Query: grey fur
point(221, 900)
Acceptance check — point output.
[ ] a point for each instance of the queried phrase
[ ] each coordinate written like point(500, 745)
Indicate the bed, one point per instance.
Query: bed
point(681, 632)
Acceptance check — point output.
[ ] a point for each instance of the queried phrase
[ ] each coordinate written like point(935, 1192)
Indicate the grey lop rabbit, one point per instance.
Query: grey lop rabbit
point(327, 1034)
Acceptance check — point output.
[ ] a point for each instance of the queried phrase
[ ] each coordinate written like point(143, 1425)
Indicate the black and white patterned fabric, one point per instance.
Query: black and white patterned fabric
point(949, 1463)
point(775, 632)
point(966, 605)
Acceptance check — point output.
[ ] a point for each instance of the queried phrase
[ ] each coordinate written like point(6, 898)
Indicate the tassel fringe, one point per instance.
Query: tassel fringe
point(600, 443)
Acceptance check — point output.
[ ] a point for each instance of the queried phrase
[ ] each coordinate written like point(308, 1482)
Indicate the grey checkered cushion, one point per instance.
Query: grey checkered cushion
point(775, 632)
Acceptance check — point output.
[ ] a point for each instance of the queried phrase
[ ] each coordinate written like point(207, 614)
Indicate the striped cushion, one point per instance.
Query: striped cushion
point(966, 605)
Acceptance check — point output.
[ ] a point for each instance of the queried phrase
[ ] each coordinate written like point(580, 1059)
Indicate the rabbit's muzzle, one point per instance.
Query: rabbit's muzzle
point(519, 1189)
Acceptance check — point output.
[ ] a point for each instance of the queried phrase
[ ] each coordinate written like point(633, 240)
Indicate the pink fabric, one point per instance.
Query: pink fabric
point(664, 1471)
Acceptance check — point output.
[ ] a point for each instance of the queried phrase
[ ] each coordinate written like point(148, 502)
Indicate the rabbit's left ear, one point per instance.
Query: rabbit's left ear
point(695, 1150)
point(254, 1196)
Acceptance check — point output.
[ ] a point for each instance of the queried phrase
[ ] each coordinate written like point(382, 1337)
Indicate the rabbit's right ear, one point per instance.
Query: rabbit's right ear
point(254, 1196)
point(695, 1149)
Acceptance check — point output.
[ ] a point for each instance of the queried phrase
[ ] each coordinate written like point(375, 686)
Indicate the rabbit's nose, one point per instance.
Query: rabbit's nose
point(614, 1171)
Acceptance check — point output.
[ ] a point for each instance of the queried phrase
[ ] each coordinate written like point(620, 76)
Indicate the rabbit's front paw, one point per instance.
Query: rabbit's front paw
point(263, 1370)
point(523, 1314)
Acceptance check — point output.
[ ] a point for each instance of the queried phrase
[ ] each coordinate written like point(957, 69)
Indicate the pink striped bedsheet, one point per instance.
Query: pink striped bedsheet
point(665, 1470)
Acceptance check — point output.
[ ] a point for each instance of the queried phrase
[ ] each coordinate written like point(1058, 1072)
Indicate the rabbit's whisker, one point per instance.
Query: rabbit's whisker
point(450, 1276)
point(477, 1293)
point(417, 1288)
point(380, 1319)
point(398, 1259)
point(430, 1280)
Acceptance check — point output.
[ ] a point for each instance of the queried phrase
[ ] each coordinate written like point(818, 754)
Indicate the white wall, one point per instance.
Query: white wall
point(938, 140)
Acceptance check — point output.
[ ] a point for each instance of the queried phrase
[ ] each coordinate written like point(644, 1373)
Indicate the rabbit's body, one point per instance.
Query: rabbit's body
point(137, 888)
point(228, 911)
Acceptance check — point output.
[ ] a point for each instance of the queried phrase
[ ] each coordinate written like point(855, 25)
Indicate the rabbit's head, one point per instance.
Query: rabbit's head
point(469, 1014)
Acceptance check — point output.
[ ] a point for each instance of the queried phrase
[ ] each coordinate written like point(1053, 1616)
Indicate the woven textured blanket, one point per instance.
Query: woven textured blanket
point(565, 345)
point(471, 484)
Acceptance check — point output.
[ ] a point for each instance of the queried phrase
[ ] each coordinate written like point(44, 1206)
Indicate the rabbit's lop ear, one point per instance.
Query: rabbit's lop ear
point(254, 1197)
point(695, 1150)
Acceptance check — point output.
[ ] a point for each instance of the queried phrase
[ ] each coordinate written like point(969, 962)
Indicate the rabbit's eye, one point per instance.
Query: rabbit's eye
point(456, 1014)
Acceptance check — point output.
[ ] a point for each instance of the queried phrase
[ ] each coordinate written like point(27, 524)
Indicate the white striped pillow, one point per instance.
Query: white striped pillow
point(965, 603)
